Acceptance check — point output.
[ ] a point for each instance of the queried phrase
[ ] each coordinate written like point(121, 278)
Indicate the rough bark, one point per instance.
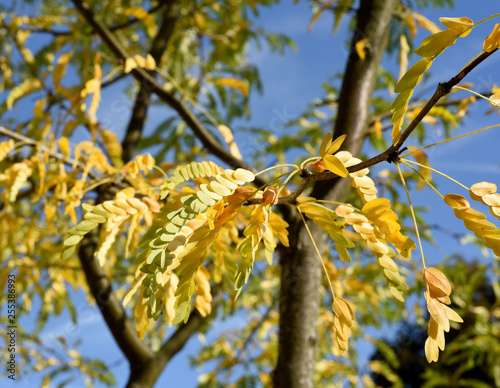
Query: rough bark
point(301, 268)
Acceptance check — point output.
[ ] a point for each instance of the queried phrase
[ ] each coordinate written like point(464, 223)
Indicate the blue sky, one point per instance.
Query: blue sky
point(290, 83)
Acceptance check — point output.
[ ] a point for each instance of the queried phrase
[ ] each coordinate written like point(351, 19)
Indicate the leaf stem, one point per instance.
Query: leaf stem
point(421, 176)
point(303, 164)
point(317, 251)
point(277, 166)
point(476, 94)
point(412, 214)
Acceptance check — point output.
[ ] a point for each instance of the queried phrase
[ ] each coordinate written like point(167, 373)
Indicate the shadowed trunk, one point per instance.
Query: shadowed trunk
point(301, 267)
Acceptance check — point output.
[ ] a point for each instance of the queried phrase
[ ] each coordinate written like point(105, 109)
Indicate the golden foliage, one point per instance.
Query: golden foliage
point(474, 220)
point(5, 148)
point(325, 218)
point(375, 242)
point(429, 49)
point(437, 298)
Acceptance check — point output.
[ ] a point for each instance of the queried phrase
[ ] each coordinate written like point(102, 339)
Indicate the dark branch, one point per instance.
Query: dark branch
point(143, 98)
point(174, 102)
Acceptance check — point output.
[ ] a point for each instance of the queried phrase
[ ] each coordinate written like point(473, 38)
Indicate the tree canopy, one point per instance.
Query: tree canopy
point(131, 170)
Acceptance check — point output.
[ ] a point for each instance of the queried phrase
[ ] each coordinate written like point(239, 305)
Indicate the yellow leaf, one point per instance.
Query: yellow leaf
point(436, 43)
point(431, 350)
point(60, 68)
point(438, 283)
point(325, 144)
point(63, 143)
point(413, 75)
point(93, 87)
point(150, 62)
point(336, 144)
point(113, 146)
point(483, 188)
point(360, 48)
point(138, 12)
point(133, 288)
point(403, 55)
point(234, 83)
point(462, 25)
point(492, 41)
point(227, 134)
point(150, 24)
point(412, 26)
point(28, 86)
point(423, 22)
point(335, 165)
point(5, 148)
point(377, 127)
point(130, 64)
point(495, 100)
point(452, 315)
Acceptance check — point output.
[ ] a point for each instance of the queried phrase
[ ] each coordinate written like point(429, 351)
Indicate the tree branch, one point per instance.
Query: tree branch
point(143, 98)
point(174, 102)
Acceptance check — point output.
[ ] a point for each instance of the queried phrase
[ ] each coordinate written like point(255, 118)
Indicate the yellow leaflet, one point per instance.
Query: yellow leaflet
point(412, 77)
point(113, 146)
point(93, 87)
point(60, 68)
point(461, 26)
point(492, 41)
point(336, 144)
point(138, 12)
point(151, 26)
point(423, 22)
point(403, 55)
point(133, 288)
point(434, 44)
point(412, 26)
point(360, 48)
point(5, 148)
point(26, 87)
point(242, 86)
point(203, 299)
point(335, 165)
point(325, 144)
point(227, 134)
point(375, 204)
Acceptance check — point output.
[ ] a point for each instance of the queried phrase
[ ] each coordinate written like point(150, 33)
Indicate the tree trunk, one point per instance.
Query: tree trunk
point(300, 265)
